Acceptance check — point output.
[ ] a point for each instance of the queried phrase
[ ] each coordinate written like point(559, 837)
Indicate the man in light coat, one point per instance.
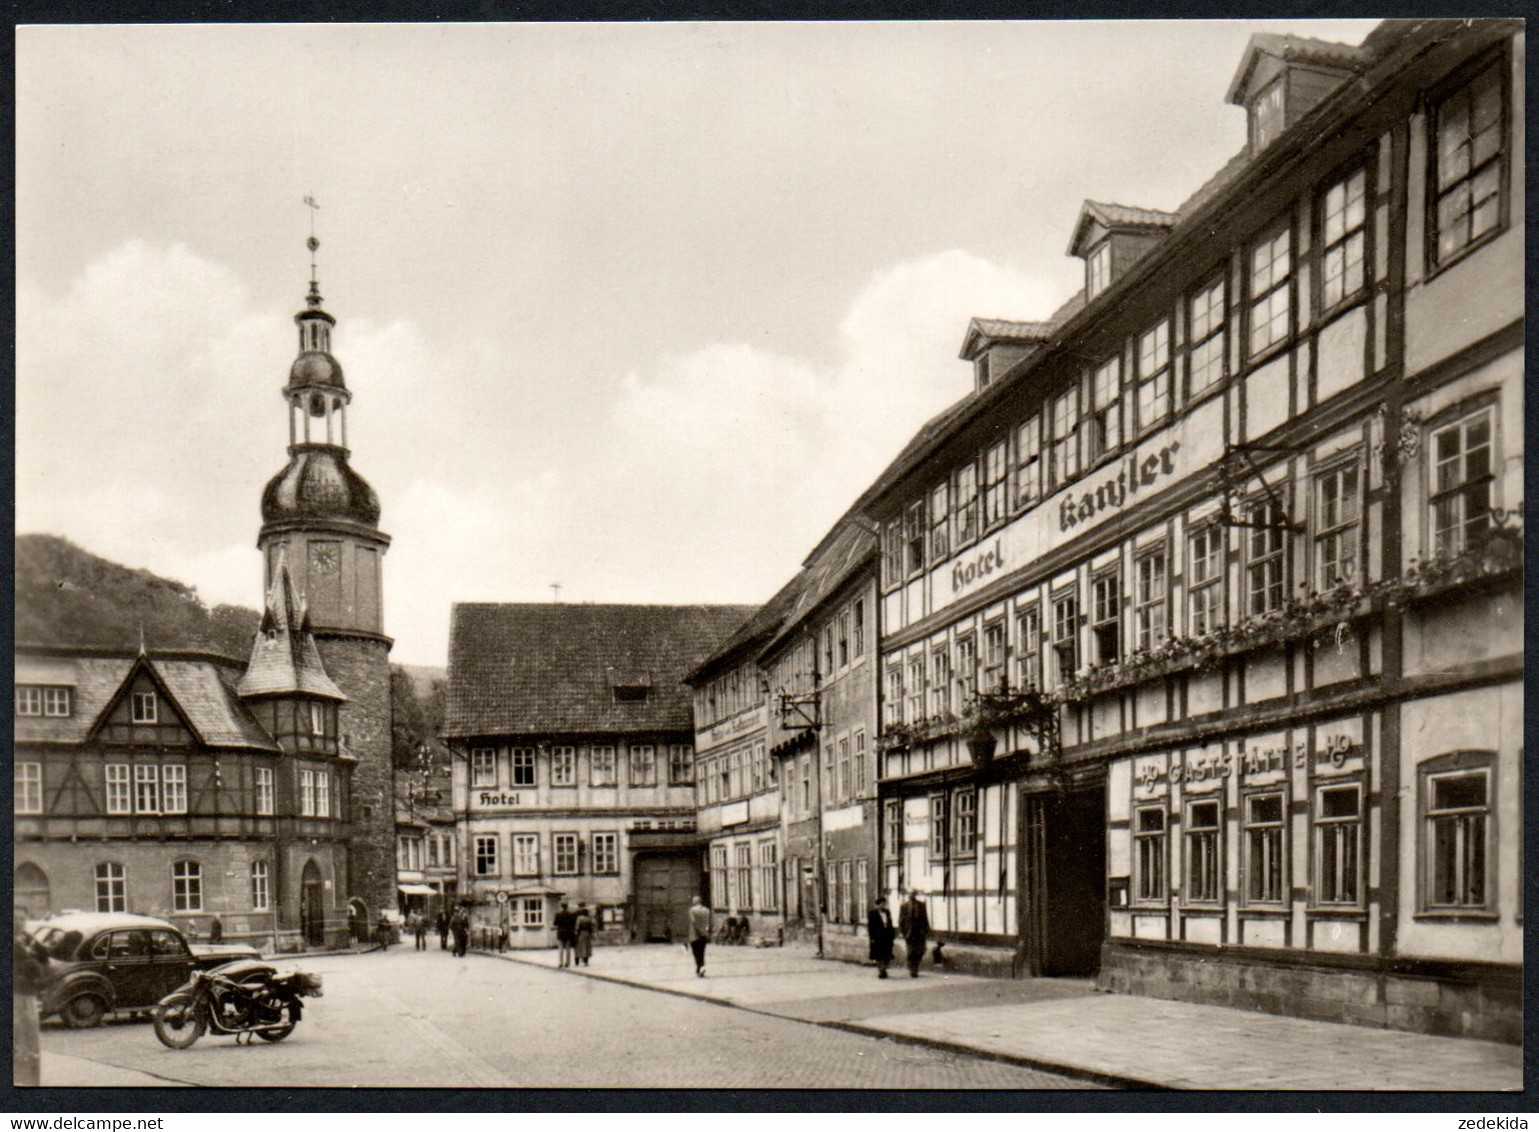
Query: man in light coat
point(699, 933)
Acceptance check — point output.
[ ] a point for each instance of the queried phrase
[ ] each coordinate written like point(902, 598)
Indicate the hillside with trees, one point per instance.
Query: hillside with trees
point(68, 596)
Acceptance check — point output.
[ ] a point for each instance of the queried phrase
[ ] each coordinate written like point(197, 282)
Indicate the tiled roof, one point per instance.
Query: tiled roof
point(553, 667)
point(1295, 49)
point(284, 658)
point(203, 690)
point(1001, 330)
point(830, 568)
point(1117, 216)
point(751, 634)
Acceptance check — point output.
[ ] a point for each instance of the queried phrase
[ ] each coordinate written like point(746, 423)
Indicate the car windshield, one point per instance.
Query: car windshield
point(59, 943)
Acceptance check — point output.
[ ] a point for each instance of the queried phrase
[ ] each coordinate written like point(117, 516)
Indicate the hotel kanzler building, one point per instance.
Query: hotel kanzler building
point(1201, 616)
point(574, 762)
point(191, 786)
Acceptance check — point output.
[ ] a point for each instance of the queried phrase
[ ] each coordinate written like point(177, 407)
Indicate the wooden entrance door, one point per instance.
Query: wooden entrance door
point(312, 906)
point(664, 888)
point(1063, 883)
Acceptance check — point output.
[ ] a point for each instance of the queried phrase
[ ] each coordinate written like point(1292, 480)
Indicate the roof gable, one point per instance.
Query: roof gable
point(1280, 50)
point(1096, 217)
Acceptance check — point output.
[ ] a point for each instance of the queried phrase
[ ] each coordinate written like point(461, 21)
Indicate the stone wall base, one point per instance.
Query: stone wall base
point(1471, 1004)
point(960, 958)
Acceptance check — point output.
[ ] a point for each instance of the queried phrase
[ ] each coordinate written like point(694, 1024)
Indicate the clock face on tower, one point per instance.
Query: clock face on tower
point(325, 559)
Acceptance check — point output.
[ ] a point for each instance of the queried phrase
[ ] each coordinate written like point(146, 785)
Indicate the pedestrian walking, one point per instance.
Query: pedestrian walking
point(216, 931)
point(459, 924)
point(583, 928)
point(29, 973)
point(699, 933)
point(419, 929)
point(880, 932)
point(443, 929)
point(566, 934)
point(914, 927)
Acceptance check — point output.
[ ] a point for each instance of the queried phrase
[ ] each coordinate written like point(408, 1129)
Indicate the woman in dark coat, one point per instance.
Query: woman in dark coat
point(881, 933)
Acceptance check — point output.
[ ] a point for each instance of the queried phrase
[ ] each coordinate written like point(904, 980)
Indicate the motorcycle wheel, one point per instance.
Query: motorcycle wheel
point(178, 1022)
point(281, 1032)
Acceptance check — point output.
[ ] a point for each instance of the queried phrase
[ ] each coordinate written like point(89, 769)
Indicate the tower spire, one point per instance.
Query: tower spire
point(313, 299)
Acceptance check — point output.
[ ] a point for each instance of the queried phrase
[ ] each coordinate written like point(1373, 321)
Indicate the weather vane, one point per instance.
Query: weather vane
point(312, 243)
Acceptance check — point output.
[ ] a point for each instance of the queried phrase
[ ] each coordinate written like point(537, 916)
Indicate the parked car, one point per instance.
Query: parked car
point(112, 962)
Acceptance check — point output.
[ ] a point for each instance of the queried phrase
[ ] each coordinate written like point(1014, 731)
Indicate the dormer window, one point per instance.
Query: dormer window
point(631, 693)
point(1266, 116)
point(1098, 270)
point(317, 719)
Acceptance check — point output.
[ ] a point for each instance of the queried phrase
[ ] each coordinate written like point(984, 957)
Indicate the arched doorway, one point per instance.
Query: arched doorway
point(312, 905)
point(31, 891)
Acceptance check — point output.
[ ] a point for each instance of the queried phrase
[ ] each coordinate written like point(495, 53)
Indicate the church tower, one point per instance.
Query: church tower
point(320, 528)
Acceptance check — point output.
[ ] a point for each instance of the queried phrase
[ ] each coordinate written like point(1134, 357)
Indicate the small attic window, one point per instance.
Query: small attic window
point(1098, 269)
point(631, 693)
point(981, 369)
point(1266, 115)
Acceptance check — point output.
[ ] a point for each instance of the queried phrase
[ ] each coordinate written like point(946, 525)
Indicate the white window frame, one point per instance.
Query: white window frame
point(29, 700)
point(323, 794)
point(566, 854)
point(1457, 481)
point(606, 853)
point(144, 707)
point(29, 788)
point(265, 792)
point(1264, 843)
point(1344, 239)
point(1098, 269)
point(1338, 521)
point(173, 788)
point(522, 768)
point(146, 788)
point(1154, 370)
point(1338, 856)
point(643, 760)
point(604, 765)
point(306, 793)
point(119, 788)
point(486, 863)
point(111, 887)
point(526, 854)
point(1208, 350)
point(483, 766)
point(186, 886)
point(261, 894)
point(563, 766)
point(1269, 275)
point(1205, 580)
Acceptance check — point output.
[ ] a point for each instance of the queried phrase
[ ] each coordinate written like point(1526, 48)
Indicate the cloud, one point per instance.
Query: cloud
point(745, 457)
point(148, 422)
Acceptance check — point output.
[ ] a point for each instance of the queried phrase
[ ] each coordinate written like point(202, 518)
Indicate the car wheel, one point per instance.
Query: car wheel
point(84, 1011)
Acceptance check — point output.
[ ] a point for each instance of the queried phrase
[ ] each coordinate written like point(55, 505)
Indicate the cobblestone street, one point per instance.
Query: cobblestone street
point(410, 1019)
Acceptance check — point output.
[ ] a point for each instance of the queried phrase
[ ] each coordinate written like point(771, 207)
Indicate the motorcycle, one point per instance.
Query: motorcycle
point(244, 997)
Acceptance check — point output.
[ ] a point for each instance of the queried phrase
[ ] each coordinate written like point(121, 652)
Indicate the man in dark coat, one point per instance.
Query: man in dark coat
point(914, 927)
point(880, 932)
point(459, 924)
point(566, 934)
point(443, 929)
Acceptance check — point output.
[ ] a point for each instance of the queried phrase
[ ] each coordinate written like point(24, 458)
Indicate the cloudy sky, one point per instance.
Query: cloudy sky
point(636, 309)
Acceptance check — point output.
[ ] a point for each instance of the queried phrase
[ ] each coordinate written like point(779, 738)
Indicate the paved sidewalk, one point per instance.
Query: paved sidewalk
point(61, 1070)
point(1064, 1025)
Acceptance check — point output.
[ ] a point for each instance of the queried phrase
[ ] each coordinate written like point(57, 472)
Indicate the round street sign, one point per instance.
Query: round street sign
point(502, 898)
